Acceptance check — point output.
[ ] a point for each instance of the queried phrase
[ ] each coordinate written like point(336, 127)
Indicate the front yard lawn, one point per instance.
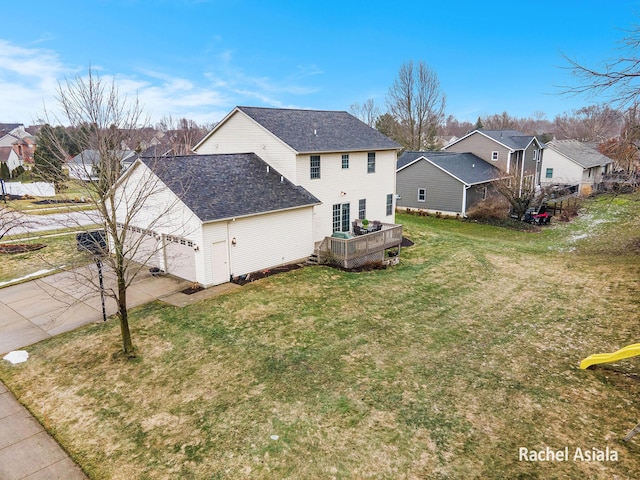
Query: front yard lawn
point(444, 366)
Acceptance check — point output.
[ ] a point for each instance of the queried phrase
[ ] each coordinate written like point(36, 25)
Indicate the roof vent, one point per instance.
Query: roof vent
point(281, 179)
point(315, 132)
point(267, 168)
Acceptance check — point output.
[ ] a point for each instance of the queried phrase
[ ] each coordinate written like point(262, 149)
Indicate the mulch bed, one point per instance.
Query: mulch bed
point(10, 248)
point(250, 277)
point(192, 290)
point(56, 201)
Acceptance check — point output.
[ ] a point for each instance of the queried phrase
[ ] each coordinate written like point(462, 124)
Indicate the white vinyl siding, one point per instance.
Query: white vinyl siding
point(349, 186)
point(269, 240)
point(241, 134)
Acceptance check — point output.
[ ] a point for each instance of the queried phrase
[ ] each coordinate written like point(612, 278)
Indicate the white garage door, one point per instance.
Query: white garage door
point(180, 257)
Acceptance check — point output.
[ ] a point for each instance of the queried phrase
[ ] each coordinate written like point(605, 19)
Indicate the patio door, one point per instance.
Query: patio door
point(341, 213)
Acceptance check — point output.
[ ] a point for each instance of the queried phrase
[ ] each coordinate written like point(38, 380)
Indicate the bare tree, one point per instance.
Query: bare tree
point(368, 111)
point(102, 122)
point(595, 124)
point(10, 220)
point(616, 80)
point(417, 103)
point(502, 121)
point(179, 136)
point(519, 190)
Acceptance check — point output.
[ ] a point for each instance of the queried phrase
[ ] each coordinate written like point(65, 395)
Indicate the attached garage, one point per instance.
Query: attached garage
point(237, 213)
point(179, 257)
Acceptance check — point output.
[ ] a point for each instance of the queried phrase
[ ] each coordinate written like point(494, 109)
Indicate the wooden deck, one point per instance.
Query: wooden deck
point(358, 251)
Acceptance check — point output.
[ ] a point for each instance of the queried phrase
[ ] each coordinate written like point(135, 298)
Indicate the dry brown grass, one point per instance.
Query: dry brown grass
point(439, 368)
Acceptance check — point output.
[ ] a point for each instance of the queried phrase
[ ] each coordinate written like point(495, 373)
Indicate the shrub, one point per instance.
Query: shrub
point(492, 209)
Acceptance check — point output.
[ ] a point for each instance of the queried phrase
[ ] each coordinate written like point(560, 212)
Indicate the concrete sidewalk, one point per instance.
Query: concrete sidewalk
point(26, 450)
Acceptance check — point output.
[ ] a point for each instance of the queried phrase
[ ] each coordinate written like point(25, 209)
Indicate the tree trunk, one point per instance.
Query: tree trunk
point(127, 345)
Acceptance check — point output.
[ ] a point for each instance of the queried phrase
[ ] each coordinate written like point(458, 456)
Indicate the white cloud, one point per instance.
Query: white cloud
point(29, 80)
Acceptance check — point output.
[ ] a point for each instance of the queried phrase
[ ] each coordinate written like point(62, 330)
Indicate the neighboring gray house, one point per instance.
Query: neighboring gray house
point(445, 182)
point(84, 165)
point(570, 162)
point(509, 150)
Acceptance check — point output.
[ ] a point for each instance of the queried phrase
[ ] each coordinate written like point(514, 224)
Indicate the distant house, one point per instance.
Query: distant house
point(14, 135)
point(9, 157)
point(213, 217)
point(84, 166)
point(446, 182)
point(347, 165)
point(570, 162)
point(509, 150)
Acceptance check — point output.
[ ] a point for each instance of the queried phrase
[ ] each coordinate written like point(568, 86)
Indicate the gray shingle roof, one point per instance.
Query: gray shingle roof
point(320, 131)
point(511, 138)
point(580, 153)
point(222, 186)
point(464, 166)
point(91, 157)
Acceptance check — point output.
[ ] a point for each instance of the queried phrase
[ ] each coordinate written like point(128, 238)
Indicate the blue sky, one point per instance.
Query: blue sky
point(200, 58)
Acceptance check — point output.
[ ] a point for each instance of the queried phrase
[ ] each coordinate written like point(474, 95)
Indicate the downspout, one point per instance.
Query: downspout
point(464, 200)
point(522, 171)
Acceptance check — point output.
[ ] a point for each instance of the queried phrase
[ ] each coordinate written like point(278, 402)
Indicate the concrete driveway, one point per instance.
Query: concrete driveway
point(39, 309)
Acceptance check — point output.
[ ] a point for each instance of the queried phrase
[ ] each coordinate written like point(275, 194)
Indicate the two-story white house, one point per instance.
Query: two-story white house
point(264, 189)
point(347, 165)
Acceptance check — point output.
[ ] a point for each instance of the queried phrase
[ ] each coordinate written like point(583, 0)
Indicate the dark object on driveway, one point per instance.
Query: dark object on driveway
point(94, 242)
point(537, 215)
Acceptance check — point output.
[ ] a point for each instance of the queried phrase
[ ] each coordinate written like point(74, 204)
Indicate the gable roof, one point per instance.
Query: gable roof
point(511, 139)
point(466, 167)
point(5, 153)
point(91, 157)
point(223, 186)
point(580, 153)
point(315, 131)
point(8, 127)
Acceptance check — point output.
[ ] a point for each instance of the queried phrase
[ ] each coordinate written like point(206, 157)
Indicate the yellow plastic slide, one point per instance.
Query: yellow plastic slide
point(626, 352)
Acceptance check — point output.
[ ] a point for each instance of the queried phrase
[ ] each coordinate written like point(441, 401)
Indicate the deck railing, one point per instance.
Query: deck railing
point(358, 251)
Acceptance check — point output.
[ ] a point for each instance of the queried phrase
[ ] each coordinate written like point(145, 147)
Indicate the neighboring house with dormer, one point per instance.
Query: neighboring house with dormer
point(208, 218)
point(446, 182)
point(571, 163)
point(22, 142)
point(349, 166)
point(509, 150)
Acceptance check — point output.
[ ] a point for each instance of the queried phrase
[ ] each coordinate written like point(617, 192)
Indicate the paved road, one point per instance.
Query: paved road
point(54, 221)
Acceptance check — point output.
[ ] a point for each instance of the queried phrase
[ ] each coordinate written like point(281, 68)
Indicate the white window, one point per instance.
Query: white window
point(345, 160)
point(494, 155)
point(371, 162)
point(314, 166)
point(422, 194)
